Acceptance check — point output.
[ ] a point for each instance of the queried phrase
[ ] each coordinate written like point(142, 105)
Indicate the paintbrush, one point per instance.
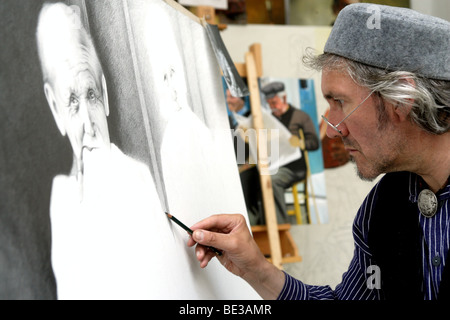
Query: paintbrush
point(181, 224)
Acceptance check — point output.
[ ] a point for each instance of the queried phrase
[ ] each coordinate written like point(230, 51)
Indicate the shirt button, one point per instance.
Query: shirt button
point(436, 261)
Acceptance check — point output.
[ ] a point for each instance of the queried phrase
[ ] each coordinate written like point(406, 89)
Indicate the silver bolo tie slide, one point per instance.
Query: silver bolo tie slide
point(427, 203)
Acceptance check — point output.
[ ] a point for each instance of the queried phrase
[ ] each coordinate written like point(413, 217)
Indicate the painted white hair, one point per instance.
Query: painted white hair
point(60, 34)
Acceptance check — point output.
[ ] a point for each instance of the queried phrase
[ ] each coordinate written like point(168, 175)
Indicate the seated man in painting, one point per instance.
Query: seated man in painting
point(294, 120)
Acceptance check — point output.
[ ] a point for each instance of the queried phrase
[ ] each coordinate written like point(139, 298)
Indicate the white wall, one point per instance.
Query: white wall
point(282, 50)
point(437, 8)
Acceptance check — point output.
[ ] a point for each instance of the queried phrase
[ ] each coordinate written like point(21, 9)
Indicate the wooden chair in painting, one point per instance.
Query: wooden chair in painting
point(297, 211)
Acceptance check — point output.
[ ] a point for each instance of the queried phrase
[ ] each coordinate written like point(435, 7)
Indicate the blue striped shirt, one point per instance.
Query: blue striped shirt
point(357, 282)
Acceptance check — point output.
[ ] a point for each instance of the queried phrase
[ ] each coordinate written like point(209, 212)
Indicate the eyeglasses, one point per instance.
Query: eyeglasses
point(335, 127)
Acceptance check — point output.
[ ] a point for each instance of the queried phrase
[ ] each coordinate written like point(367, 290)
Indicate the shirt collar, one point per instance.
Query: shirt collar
point(417, 184)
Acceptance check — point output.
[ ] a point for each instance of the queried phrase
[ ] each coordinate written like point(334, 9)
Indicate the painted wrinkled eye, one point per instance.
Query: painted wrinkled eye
point(91, 95)
point(73, 101)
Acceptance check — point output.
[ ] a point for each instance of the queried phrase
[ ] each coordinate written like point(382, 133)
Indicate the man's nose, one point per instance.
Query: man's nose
point(331, 132)
point(88, 127)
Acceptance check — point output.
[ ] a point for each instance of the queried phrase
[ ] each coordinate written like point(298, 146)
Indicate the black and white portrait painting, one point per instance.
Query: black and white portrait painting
point(112, 113)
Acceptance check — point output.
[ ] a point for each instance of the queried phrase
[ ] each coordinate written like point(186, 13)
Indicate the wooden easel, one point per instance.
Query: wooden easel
point(209, 14)
point(275, 241)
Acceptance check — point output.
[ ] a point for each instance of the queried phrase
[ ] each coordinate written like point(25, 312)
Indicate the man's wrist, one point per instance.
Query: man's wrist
point(268, 280)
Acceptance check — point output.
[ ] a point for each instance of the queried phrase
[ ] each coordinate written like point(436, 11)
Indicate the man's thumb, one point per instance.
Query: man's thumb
point(198, 236)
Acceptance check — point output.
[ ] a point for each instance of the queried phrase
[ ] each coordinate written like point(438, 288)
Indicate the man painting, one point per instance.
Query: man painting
point(389, 95)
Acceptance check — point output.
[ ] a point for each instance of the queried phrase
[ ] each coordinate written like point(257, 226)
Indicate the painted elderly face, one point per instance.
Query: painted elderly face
point(81, 109)
point(277, 105)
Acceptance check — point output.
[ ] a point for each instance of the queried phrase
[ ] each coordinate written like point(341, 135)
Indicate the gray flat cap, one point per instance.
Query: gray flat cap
point(270, 90)
point(392, 38)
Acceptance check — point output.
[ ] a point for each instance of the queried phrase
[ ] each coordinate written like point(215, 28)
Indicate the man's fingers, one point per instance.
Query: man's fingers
point(191, 242)
point(213, 239)
point(227, 233)
point(204, 255)
point(222, 222)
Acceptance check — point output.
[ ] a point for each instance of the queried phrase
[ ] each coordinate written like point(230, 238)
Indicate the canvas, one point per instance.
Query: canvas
point(112, 114)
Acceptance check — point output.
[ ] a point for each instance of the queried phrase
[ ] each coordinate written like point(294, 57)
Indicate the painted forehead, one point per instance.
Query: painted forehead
point(61, 46)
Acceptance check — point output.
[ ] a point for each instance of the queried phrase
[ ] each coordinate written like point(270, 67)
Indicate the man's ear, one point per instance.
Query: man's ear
point(49, 94)
point(402, 111)
point(105, 95)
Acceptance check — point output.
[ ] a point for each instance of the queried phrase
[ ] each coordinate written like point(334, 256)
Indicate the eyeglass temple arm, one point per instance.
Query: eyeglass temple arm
point(354, 109)
point(331, 125)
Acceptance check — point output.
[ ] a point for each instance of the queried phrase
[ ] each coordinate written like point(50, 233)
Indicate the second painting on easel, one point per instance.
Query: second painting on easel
point(288, 106)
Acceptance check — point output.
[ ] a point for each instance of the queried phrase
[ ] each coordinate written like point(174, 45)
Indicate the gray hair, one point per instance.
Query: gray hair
point(60, 35)
point(431, 107)
point(281, 94)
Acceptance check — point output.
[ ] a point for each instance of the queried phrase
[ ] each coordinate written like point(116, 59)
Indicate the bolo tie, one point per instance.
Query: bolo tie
point(428, 202)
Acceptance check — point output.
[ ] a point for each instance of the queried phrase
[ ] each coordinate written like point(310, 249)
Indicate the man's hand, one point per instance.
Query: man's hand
point(241, 255)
